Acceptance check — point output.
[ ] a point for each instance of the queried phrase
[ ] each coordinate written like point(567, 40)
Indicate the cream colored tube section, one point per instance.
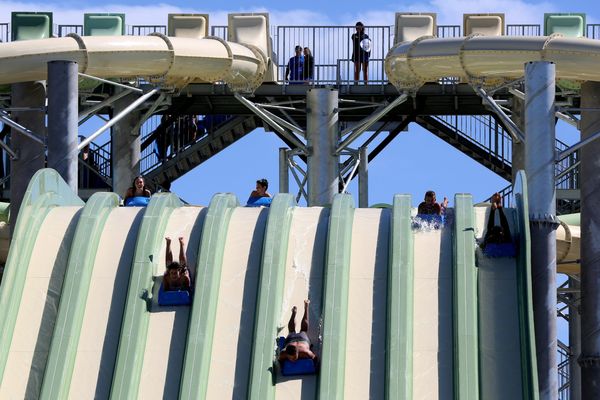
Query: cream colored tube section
point(432, 346)
point(98, 341)
point(234, 324)
point(167, 328)
point(177, 61)
point(304, 280)
point(499, 57)
point(367, 298)
point(37, 312)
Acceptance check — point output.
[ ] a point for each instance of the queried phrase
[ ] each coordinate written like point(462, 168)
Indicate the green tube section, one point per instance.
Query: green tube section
point(270, 296)
point(134, 328)
point(335, 298)
point(400, 310)
point(46, 190)
point(65, 339)
point(196, 366)
point(524, 292)
point(466, 352)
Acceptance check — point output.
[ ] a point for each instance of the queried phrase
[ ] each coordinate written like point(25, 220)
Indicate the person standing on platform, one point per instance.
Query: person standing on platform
point(295, 67)
point(308, 71)
point(361, 50)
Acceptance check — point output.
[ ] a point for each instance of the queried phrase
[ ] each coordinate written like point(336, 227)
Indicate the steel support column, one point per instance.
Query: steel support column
point(322, 139)
point(590, 245)
point(30, 153)
point(284, 177)
point(574, 342)
point(518, 148)
point(539, 167)
point(125, 147)
point(63, 92)
point(363, 177)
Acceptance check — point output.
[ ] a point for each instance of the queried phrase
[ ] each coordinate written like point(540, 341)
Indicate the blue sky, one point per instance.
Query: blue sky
point(415, 162)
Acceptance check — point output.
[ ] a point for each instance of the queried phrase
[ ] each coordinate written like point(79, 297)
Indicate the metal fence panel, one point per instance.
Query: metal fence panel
point(593, 31)
point(4, 32)
point(448, 31)
point(523, 30)
point(143, 30)
point(64, 30)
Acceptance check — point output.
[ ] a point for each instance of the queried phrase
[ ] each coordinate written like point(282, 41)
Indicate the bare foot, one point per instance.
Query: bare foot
point(306, 303)
point(168, 239)
point(294, 309)
point(180, 239)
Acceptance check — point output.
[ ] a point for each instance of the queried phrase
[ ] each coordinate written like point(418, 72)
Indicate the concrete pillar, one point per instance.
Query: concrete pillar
point(363, 177)
point(322, 137)
point(539, 167)
point(31, 154)
point(590, 245)
point(574, 343)
point(518, 149)
point(284, 176)
point(63, 92)
point(126, 147)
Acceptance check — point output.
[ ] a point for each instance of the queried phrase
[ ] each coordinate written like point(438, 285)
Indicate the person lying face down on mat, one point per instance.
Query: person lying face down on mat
point(297, 345)
point(177, 275)
point(494, 233)
point(261, 189)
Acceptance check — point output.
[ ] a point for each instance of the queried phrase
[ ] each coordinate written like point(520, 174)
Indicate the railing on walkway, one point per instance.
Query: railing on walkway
point(593, 31)
point(64, 30)
point(523, 30)
point(564, 357)
point(444, 31)
point(143, 30)
point(4, 32)
point(219, 31)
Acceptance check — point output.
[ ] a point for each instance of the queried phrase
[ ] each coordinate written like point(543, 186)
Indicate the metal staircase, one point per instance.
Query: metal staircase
point(185, 157)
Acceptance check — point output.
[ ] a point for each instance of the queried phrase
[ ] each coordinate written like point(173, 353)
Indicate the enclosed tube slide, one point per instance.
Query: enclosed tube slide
point(174, 61)
point(489, 58)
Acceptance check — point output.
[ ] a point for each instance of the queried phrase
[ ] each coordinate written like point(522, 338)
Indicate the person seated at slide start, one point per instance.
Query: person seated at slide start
point(297, 345)
point(137, 189)
point(431, 206)
point(494, 233)
point(177, 275)
point(261, 189)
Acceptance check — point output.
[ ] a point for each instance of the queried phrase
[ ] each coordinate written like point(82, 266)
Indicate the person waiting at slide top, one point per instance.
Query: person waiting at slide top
point(297, 344)
point(494, 233)
point(137, 189)
point(430, 206)
point(261, 189)
point(294, 71)
point(177, 275)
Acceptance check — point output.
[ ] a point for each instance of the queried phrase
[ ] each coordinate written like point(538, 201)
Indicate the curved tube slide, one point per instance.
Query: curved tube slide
point(410, 64)
point(173, 60)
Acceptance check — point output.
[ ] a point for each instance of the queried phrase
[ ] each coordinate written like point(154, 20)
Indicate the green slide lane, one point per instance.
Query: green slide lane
point(335, 298)
point(466, 350)
point(65, 339)
point(201, 328)
point(46, 190)
point(134, 329)
point(270, 296)
point(400, 310)
point(524, 288)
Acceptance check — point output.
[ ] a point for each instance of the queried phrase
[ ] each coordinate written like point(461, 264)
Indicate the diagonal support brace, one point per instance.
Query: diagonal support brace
point(4, 117)
point(513, 129)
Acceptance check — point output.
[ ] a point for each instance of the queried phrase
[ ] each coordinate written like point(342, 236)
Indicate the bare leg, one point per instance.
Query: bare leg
point(168, 254)
point(182, 258)
point(365, 67)
point(292, 323)
point(304, 324)
point(356, 71)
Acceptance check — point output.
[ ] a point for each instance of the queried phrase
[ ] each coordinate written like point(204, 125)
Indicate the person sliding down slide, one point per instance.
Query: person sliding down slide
point(497, 234)
point(297, 345)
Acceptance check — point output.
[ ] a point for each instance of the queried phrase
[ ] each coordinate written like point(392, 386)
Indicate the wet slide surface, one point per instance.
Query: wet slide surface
point(365, 233)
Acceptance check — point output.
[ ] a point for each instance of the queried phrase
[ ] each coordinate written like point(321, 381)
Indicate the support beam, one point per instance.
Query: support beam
point(589, 139)
point(518, 148)
point(30, 152)
point(363, 177)
point(284, 177)
point(322, 136)
point(63, 103)
point(4, 117)
point(574, 341)
point(125, 147)
point(513, 129)
point(590, 245)
point(100, 105)
point(539, 167)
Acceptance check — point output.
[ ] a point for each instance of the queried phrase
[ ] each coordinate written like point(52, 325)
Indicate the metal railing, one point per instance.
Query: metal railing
point(143, 30)
point(523, 30)
point(448, 31)
point(4, 32)
point(219, 31)
point(64, 30)
point(564, 357)
point(593, 31)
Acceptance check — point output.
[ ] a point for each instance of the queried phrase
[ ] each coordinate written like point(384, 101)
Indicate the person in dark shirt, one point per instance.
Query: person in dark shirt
point(360, 56)
point(494, 233)
point(431, 206)
point(295, 67)
point(308, 71)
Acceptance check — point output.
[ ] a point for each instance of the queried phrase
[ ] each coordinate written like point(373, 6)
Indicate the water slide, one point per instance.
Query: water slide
point(395, 311)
